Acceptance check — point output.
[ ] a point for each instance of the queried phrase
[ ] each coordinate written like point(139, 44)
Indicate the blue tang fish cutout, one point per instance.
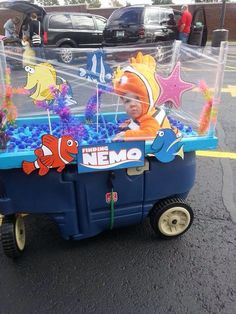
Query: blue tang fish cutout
point(69, 101)
point(166, 146)
point(97, 70)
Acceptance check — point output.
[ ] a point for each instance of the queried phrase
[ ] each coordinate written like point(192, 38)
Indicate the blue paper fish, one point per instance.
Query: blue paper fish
point(166, 146)
point(97, 70)
point(69, 95)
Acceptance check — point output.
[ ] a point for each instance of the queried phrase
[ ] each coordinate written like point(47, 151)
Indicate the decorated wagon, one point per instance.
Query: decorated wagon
point(107, 141)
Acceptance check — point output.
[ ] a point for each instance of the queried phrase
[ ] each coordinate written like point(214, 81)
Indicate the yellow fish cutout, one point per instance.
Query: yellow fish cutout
point(42, 76)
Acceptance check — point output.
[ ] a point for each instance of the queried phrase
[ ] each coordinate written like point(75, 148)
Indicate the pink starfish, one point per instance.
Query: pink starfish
point(172, 87)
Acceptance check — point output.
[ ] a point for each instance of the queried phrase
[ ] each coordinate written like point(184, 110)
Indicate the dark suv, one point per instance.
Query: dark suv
point(141, 24)
point(63, 30)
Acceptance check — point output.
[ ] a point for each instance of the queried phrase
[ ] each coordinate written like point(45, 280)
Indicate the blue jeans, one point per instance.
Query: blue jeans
point(39, 52)
point(183, 37)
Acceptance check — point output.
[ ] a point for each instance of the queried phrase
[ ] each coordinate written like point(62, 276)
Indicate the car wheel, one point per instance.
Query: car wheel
point(171, 218)
point(66, 55)
point(13, 235)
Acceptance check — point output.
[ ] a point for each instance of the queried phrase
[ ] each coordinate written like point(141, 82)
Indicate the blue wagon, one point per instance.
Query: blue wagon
point(100, 180)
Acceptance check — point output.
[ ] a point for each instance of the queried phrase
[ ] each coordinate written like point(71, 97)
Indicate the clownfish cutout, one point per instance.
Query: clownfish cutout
point(54, 153)
point(166, 146)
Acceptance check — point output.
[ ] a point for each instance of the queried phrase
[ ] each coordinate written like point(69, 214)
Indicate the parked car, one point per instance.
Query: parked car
point(140, 24)
point(72, 30)
point(144, 24)
point(63, 30)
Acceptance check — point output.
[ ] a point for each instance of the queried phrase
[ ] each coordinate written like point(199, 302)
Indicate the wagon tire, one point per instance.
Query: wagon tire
point(13, 235)
point(171, 218)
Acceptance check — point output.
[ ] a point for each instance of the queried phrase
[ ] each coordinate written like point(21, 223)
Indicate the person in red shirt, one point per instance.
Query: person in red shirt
point(184, 24)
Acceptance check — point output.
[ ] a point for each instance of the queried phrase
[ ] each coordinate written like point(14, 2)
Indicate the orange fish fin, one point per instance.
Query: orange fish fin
point(43, 171)
point(47, 160)
point(38, 152)
point(48, 140)
point(60, 168)
point(28, 167)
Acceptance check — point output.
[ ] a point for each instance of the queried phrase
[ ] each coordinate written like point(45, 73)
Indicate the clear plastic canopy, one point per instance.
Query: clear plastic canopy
point(77, 86)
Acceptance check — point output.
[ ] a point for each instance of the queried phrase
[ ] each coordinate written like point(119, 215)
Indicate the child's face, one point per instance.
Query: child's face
point(132, 105)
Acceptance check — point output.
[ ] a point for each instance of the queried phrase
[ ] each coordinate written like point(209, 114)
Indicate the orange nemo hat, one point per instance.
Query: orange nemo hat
point(139, 79)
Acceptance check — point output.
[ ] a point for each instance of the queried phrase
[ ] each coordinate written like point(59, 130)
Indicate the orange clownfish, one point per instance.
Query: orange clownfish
point(54, 153)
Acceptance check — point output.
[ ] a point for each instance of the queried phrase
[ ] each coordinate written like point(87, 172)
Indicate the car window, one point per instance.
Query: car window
point(60, 21)
point(100, 23)
point(82, 22)
point(125, 16)
point(156, 15)
point(199, 17)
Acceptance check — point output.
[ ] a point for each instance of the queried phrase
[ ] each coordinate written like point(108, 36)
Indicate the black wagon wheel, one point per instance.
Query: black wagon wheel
point(171, 217)
point(13, 235)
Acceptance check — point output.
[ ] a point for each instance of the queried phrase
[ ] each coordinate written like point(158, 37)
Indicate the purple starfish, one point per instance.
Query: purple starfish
point(172, 87)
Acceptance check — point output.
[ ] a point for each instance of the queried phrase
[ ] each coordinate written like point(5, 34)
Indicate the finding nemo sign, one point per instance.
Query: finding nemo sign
point(111, 156)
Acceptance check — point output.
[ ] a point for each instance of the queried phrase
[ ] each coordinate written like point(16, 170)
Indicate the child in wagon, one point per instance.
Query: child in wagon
point(139, 90)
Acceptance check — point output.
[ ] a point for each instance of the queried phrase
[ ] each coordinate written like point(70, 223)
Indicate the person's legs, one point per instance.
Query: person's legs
point(183, 37)
point(39, 53)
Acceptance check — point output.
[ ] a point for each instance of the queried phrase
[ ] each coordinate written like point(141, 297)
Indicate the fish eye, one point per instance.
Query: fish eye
point(76, 143)
point(31, 70)
point(161, 133)
point(69, 142)
point(27, 68)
